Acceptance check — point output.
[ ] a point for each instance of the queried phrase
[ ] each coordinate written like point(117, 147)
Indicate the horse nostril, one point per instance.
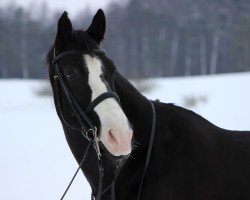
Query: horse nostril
point(117, 142)
point(112, 139)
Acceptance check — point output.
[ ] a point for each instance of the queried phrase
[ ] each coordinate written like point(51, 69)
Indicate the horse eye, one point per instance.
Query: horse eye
point(71, 75)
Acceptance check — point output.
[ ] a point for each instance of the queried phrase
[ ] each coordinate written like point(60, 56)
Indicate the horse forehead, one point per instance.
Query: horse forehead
point(93, 64)
point(95, 80)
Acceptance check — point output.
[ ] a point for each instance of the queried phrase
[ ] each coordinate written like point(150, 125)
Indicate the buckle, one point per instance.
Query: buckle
point(90, 133)
point(96, 143)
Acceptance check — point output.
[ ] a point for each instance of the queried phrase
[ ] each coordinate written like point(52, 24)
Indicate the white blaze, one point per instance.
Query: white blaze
point(112, 118)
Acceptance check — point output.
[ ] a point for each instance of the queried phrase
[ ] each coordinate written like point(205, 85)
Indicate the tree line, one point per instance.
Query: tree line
point(144, 38)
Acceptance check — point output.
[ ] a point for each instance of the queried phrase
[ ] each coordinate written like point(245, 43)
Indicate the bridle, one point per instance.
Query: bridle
point(81, 115)
point(87, 128)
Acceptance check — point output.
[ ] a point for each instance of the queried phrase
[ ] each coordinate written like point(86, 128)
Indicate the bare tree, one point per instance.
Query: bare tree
point(214, 53)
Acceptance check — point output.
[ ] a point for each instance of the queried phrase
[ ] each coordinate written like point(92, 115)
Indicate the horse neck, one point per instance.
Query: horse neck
point(139, 113)
point(136, 107)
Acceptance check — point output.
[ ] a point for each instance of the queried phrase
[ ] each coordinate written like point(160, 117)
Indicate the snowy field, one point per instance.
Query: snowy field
point(36, 162)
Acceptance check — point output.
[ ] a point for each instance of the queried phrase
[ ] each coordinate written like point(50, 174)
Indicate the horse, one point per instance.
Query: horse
point(132, 147)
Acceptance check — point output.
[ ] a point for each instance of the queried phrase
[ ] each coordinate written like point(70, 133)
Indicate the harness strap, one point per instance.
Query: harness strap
point(113, 192)
point(117, 172)
point(150, 146)
point(59, 109)
point(112, 184)
point(71, 99)
point(100, 98)
point(101, 174)
point(79, 167)
point(55, 59)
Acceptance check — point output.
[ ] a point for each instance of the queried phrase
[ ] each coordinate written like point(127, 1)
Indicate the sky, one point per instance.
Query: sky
point(71, 6)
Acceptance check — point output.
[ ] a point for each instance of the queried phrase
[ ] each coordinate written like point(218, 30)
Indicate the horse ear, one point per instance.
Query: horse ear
point(98, 26)
point(64, 29)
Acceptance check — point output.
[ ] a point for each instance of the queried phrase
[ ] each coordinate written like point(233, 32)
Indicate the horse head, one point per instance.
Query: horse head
point(87, 73)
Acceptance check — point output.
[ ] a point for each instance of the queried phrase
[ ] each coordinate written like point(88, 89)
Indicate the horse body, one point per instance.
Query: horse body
point(191, 158)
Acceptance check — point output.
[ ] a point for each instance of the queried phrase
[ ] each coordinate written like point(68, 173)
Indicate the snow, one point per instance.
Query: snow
point(222, 99)
point(36, 162)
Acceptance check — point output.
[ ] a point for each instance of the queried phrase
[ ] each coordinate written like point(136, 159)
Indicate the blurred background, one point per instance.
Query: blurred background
point(177, 38)
point(194, 53)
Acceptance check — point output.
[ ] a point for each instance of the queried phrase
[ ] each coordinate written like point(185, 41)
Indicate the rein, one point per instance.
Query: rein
point(88, 130)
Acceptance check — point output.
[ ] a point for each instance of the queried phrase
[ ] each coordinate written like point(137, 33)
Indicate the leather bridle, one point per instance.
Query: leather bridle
point(81, 115)
point(87, 128)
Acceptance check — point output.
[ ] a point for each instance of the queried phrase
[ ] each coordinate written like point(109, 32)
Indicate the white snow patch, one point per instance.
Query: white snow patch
point(226, 98)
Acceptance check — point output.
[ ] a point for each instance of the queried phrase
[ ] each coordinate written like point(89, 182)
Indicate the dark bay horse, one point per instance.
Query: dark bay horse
point(190, 158)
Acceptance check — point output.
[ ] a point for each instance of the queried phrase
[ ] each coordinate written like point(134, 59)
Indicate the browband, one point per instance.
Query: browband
point(56, 58)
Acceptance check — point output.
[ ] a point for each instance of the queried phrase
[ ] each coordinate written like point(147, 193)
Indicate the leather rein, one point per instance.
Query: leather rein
point(88, 129)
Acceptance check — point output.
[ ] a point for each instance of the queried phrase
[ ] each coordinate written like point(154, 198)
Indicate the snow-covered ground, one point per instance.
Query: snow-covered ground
point(222, 99)
point(36, 162)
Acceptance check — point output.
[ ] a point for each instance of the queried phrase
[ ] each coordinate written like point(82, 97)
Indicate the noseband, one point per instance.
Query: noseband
point(87, 128)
